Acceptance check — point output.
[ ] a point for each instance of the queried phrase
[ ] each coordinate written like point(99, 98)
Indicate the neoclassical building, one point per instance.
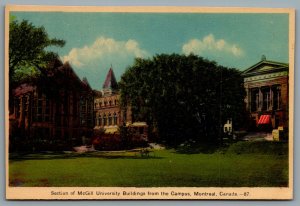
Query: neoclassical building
point(107, 111)
point(267, 86)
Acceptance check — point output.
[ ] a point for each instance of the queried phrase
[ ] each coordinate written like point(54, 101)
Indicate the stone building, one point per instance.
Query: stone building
point(57, 107)
point(107, 111)
point(267, 86)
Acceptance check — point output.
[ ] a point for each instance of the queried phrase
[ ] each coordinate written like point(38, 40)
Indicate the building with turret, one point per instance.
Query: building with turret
point(107, 111)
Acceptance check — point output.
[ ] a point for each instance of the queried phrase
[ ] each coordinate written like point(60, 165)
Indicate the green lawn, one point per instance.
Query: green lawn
point(162, 169)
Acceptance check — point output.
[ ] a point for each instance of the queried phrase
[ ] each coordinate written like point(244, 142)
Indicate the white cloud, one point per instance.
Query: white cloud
point(101, 49)
point(93, 61)
point(210, 45)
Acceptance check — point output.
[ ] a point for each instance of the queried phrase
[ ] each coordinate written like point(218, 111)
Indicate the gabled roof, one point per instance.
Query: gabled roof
point(67, 77)
point(110, 80)
point(265, 66)
point(86, 83)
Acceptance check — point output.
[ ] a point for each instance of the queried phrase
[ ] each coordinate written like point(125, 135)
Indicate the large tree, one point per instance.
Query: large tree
point(183, 97)
point(28, 54)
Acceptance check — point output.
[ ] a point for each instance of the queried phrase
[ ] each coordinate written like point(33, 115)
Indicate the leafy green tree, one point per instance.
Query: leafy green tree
point(183, 97)
point(28, 53)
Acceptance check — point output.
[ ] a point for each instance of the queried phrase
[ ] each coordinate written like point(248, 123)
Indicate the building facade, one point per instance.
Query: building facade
point(107, 111)
point(266, 85)
point(58, 108)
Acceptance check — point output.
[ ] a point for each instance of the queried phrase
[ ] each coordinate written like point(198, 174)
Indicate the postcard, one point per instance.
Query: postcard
point(152, 103)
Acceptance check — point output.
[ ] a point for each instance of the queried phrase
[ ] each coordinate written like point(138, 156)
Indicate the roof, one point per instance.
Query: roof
point(110, 80)
point(23, 89)
point(54, 77)
point(65, 76)
point(86, 83)
point(265, 66)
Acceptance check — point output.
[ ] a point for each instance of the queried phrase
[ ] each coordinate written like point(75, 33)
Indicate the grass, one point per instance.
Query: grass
point(165, 168)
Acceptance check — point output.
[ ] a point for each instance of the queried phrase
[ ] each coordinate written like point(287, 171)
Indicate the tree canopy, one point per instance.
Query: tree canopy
point(183, 97)
point(28, 52)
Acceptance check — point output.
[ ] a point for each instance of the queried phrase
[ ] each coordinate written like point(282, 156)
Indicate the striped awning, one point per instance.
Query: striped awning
point(264, 119)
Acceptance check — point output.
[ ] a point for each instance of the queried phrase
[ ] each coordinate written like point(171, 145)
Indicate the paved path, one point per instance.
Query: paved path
point(258, 136)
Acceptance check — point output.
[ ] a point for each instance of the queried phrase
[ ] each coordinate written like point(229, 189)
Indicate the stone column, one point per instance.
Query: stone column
point(248, 100)
point(260, 99)
point(271, 98)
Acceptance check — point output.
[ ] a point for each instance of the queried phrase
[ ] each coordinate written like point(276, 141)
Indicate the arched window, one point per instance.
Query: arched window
point(109, 102)
point(99, 120)
point(109, 119)
point(115, 102)
point(115, 119)
point(104, 120)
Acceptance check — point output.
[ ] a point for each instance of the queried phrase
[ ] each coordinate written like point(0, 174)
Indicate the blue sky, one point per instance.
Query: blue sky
point(94, 41)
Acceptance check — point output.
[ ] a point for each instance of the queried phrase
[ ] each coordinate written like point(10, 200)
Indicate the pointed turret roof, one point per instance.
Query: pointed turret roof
point(110, 80)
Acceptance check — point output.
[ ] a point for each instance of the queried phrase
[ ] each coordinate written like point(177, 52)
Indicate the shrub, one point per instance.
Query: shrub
point(122, 141)
point(108, 142)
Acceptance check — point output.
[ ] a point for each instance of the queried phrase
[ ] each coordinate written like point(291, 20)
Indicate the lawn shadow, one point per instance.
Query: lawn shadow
point(74, 155)
point(200, 148)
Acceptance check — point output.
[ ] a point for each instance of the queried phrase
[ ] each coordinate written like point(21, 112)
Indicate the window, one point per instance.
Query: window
point(276, 97)
point(115, 119)
point(254, 99)
point(41, 108)
point(109, 119)
point(89, 114)
point(99, 120)
point(83, 110)
point(17, 107)
point(266, 99)
point(104, 120)
point(38, 107)
point(109, 102)
point(47, 110)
